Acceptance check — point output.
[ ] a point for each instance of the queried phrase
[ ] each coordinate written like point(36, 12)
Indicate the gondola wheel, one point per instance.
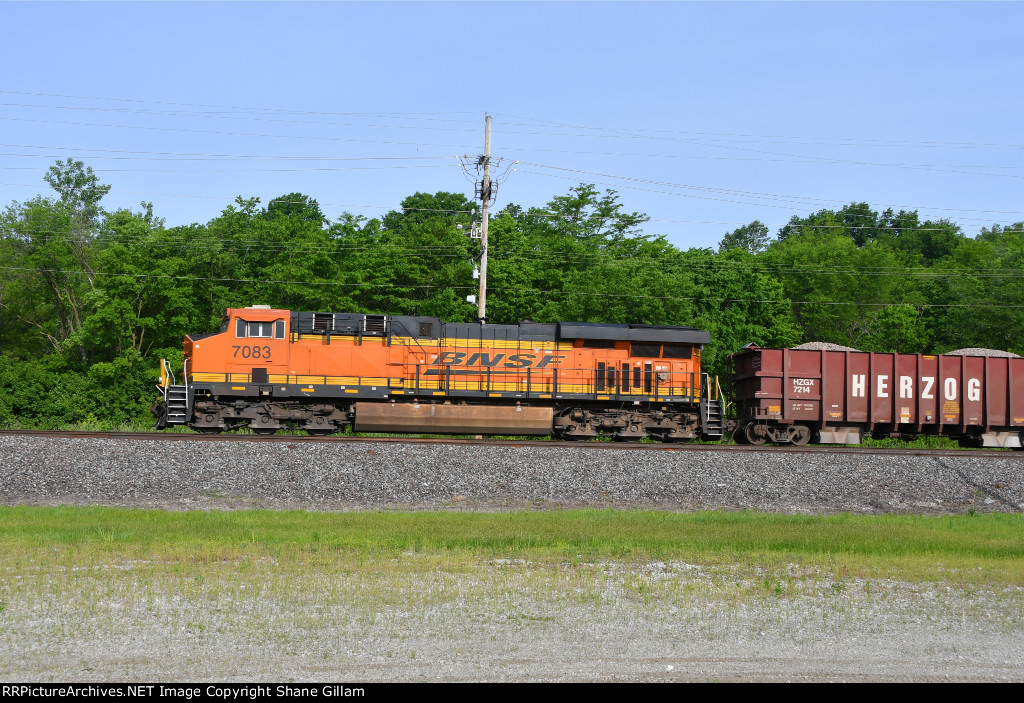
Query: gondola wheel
point(799, 435)
point(755, 434)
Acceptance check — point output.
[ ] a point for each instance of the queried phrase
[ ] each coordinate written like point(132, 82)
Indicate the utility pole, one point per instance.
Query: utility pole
point(485, 200)
point(486, 191)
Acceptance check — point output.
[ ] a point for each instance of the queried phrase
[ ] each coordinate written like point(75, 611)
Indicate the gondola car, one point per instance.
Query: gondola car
point(269, 369)
point(795, 396)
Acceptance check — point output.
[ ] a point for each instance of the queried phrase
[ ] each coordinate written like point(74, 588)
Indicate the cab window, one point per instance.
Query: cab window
point(265, 330)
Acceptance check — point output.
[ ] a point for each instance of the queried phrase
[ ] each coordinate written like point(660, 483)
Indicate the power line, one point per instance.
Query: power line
point(853, 141)
point(729, 191)
point(396, 115)
point(190, 156)
point(726, 200)
point(236, 134)
point(615, 132)
point(247, 169)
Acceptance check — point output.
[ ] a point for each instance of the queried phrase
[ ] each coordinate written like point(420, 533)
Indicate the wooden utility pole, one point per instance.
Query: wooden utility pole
point(485, 200)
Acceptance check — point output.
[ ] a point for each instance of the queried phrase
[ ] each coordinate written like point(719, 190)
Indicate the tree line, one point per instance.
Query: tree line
point(91, 299)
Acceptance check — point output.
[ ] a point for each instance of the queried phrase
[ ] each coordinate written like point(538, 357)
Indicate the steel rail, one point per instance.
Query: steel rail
point(456, 441)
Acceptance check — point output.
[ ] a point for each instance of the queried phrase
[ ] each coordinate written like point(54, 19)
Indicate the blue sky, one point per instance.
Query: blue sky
point(705, 116)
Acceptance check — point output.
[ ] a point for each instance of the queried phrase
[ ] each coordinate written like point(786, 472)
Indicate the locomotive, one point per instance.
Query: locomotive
point(268, 369)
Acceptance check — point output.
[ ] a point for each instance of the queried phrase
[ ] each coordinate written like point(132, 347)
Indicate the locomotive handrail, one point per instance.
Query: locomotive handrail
point(166, 378)
point(184, 376)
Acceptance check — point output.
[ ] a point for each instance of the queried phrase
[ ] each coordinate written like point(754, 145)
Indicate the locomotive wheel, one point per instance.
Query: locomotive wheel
point(799, 435)
point(319, 427)
point(264, 430)
point(755, 434)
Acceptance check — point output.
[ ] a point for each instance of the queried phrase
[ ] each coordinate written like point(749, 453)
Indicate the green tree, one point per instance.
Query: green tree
point(896, 328)
point(586, 215)
point(751, 238)
point(570, 260)
point(79, 189)
point(857, 221)
point(295, 205)
point(417, 261)
point(51, 243)
point(976, 295)
point(836, 286)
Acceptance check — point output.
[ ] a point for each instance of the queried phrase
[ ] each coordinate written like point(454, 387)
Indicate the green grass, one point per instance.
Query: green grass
point(977, 549)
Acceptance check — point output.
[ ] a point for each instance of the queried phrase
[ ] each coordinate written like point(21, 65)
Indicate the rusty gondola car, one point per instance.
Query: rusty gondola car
point(268, 369)
point(797, 396)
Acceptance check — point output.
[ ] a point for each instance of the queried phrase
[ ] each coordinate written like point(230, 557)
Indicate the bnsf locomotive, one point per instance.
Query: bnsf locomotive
point(323, 372)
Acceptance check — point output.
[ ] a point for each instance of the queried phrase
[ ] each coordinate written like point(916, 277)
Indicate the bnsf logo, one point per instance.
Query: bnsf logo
point(513, 361)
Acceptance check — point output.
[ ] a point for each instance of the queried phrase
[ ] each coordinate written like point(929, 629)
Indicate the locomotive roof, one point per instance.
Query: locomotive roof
point(432, 327)
point(633, 333)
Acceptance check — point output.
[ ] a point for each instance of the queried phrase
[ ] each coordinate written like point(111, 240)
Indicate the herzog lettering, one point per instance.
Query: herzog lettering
point(906, 387)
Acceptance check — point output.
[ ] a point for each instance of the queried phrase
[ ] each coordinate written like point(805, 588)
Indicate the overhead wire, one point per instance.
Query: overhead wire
point(738, 197)
point(615, 131)
point(854, 141)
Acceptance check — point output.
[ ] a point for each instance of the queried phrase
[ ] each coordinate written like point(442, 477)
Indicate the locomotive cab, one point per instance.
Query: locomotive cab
point(252, 345)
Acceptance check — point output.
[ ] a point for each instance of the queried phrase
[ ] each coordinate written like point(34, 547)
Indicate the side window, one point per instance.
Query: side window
point(279, 329)
point(240, 328)
point(678, 351)
point(652, 350)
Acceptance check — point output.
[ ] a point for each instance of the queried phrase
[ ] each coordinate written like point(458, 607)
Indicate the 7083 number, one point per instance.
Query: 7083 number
point(252, 352)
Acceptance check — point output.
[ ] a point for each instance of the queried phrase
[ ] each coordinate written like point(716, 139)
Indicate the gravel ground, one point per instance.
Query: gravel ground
point(503, 621)
point(354, 476)
point(515, 622)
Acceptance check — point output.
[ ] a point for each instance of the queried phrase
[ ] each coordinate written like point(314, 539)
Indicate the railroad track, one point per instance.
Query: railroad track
point(456, 441)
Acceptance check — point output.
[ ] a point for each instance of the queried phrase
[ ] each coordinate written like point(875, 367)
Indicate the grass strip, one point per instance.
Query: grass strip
point(979, 548)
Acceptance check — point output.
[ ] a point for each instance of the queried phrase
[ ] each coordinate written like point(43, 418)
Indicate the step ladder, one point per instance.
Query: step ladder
point(711, 414)
point(175, 410)
point(176, 402)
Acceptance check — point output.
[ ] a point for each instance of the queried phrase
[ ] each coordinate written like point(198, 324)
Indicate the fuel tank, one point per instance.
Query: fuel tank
point(452, 419)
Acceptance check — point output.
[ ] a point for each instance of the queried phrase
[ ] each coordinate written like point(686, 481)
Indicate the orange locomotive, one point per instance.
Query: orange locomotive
point(269, 369)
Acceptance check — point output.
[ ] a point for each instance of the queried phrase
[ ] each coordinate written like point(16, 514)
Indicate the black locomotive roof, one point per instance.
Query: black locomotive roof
point(632, 333)
point(527, 330)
